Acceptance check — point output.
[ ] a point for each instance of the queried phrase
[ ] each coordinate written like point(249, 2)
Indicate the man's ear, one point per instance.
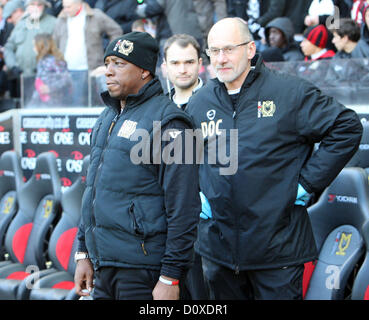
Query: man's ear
point(145, 74)
point(251, 50)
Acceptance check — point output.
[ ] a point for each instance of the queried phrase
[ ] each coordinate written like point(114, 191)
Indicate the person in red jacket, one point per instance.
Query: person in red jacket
point(314, 45)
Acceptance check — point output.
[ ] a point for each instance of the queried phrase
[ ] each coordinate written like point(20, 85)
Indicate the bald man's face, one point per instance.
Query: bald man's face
point(232, 61)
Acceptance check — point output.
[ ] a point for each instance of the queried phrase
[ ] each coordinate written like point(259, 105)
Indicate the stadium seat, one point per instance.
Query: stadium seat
point(337, 219)
point(11, 179)
point(58, 284)
point(360, 290)
point(27, 236)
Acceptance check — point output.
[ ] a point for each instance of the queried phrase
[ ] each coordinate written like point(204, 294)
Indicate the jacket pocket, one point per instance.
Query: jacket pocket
point(138, 228)
point(136, 221)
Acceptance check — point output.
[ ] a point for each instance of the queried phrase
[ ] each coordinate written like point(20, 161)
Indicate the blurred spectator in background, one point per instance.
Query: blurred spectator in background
point(3, 82)
point(314, 45)
point(55, 8)
point(362, 48)
point(18, 51)
point(279, 33)
point(172, 17)
point(12, 13)
point(92, 3)
point(297, 13)
point(322, 12)
point(79, 35)
point(318, 8)
point(357, 10)
point(346, 38)
point(258, 14)
point(208, 12)
point(144, 25)
point(119, 10)
point(52, 83)
point(138, 25)
point(237, 8)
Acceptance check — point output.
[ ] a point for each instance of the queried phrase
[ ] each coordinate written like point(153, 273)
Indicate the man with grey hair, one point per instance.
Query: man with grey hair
point(79, 35)
point(255, 235)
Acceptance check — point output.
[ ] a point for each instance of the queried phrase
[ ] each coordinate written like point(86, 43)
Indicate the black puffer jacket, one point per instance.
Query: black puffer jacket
point(138, 215)
point(278, 119)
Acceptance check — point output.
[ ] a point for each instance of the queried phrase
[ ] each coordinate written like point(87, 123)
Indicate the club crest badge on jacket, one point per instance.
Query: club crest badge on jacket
point(266, 109)
point(127, 129)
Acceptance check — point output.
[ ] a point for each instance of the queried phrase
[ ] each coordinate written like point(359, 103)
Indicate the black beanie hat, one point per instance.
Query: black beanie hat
point(139, 48)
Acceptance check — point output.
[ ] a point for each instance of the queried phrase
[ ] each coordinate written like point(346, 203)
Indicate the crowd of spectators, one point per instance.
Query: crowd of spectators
point(283, 30)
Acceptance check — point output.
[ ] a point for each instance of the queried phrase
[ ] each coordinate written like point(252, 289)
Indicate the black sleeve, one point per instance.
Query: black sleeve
point(81, 238)
point(338, 129)
point(180, 183)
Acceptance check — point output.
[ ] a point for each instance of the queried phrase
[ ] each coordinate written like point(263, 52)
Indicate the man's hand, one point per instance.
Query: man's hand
point(83, 277)
point(163, 291)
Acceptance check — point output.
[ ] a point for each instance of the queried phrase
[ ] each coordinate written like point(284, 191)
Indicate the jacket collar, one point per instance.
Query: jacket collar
point(148, 91)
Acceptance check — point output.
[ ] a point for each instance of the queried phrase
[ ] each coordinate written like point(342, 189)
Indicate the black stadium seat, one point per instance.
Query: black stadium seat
point(337, 219)
point(360, 290)
point(11, 179)
point(57, 283)
point(27, 235)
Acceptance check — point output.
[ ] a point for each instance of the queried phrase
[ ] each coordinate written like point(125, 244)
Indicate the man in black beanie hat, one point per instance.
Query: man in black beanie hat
point(139, 211)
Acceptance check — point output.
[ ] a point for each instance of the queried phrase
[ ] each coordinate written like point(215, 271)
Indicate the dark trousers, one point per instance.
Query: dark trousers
point(113, 283)
point(271, 284)
point(195, 283)
point(124, 284)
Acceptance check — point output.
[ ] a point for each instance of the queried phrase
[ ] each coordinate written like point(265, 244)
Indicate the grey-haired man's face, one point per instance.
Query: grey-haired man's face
point(35, 9)
point(71, 7)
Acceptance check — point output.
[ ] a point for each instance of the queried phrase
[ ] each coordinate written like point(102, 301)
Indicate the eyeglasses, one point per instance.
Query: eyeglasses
point(228, 50)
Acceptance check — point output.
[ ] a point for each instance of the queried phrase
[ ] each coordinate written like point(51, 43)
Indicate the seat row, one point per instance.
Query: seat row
point(38, 228)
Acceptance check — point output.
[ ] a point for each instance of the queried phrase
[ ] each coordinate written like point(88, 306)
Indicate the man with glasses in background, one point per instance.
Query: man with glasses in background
point(254, 233)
